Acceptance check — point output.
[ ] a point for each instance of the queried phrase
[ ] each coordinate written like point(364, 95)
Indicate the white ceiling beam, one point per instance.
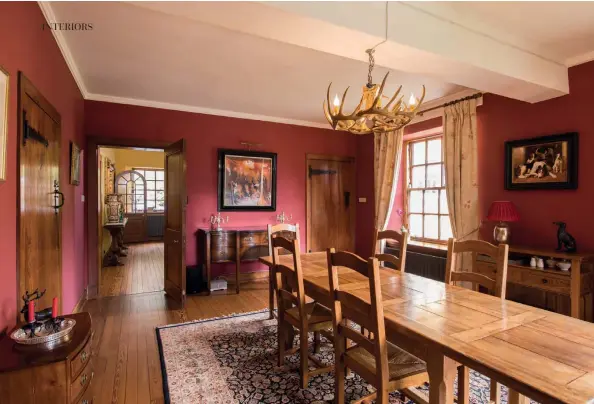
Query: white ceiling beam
point(418, 42)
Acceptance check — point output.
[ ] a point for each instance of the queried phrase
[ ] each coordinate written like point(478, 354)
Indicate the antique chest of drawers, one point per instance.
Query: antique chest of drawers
point(30, 375)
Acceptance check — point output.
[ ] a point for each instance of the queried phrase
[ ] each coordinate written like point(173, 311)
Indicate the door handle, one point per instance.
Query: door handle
point(58, 197)
point(176, 241)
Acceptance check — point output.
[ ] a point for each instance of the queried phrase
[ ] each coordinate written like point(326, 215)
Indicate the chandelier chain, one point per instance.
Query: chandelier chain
point(372, 50)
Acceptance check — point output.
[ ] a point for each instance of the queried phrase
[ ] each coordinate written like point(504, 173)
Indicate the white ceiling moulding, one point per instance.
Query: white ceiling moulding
point(578, 60)
point(50, 17)
point(207, 111)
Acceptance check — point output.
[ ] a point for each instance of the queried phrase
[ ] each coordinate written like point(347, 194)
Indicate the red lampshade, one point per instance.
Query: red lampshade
point(503, 211)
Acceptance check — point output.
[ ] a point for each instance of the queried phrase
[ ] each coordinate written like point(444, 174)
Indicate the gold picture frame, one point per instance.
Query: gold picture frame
point(74, 164)
point(4, 101)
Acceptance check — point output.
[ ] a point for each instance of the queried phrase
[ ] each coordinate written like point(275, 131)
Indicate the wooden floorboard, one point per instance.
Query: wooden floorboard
point(142, 271)
point(127, 364)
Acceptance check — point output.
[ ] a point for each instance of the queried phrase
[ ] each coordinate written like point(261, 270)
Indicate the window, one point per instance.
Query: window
point(131, 187)
point(155, 188)
point(427, 212)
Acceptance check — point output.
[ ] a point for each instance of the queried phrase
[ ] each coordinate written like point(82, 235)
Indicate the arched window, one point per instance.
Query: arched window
point(132, 185)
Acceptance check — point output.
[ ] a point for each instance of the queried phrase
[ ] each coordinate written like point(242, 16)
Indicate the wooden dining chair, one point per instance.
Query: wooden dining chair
point(402, 239)
point(273, 230)
point(382, 364)
point(495, 286)
point(293, 311)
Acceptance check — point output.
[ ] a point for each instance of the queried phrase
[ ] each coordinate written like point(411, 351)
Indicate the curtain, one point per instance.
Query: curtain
point(387, 154)
point(460, 157)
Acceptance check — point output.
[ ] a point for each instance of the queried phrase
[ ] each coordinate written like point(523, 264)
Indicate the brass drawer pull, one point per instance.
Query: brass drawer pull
point(545, 281)
point(83, 379)
point(83, 356)
point(85, 401)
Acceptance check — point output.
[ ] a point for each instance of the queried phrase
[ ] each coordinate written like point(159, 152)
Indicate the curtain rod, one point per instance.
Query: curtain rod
point(470, 97)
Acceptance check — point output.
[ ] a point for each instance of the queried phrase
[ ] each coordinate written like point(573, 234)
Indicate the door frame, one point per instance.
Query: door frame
point(26, 88)
point(94, 258)
point(326, 157)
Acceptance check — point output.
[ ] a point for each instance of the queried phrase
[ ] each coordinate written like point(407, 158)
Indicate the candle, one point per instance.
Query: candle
point(31, 311)
point(54, 307)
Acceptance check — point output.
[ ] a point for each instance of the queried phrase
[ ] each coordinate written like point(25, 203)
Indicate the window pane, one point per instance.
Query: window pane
point(434, 151)
point(121, 189)
point(160, 205)
point(416, 225)
point(431, 227)
point(416, 202)
point(150, 195)
point(443, 175)
point(139, 198)
point(129, 207)
point(160, 185)
point(418, 177)
point(140, 171)
point(160, 175)
point(443, 202)
point(150, 185)
point(431, 201)
point(140, 207)
point(160, 195)
point(149, 175)
point(150, 204)
point(418, 153)
point(446, 228)
point(434, 175)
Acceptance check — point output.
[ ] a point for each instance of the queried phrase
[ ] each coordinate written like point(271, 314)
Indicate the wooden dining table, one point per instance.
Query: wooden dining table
point(543, 355)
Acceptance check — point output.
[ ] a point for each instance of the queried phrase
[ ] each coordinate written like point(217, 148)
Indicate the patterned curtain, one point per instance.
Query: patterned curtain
point(460, 155)
point(387, 154)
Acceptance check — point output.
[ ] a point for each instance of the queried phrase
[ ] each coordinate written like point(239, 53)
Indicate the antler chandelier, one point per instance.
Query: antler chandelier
point(370, 116)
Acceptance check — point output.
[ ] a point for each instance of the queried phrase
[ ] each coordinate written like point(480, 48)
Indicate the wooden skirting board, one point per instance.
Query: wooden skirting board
point(81, 302)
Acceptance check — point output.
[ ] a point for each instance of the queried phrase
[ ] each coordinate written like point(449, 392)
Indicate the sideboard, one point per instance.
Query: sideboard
point(232, 245)
point(32, 375)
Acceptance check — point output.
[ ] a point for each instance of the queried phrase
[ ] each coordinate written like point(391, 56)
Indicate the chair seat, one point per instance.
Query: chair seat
point(318, 316)
point(401, 363)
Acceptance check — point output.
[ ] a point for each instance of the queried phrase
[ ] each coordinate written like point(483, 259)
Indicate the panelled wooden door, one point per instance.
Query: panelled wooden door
point(175, 221)
point(330, 203)
point(39, 248)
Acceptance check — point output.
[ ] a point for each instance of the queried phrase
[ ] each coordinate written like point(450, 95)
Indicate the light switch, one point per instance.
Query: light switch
point(82, 198)
point(362, 200)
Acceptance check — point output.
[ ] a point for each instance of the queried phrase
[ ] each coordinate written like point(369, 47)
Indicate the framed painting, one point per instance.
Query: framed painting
point(547, 162)
point(247, 180)
point(4, 83)
point(74, 164)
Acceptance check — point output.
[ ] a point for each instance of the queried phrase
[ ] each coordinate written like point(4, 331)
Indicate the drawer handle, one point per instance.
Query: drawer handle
point(545, 281)
point(83, 379)
point(85, 401)
point(83, 357)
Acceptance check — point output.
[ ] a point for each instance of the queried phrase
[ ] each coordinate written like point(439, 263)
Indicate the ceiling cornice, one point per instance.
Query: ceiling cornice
point(50, 17)
point(203, 110)
point(578, 60)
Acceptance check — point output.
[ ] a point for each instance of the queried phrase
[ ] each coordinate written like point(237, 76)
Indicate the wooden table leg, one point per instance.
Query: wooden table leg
point(516, 398)
point(574, 296)
point(237, 259)
point(442, 372)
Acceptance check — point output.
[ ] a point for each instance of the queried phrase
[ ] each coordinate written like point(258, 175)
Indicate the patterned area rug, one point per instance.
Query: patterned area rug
point(233, 360)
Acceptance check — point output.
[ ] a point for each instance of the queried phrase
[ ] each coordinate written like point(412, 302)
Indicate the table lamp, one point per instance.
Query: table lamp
point(502, 212)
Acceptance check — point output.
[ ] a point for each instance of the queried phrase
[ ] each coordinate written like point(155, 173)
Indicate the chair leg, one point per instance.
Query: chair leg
point(495, 392)
point(339, 369)
point(463, 385)
point(516, 398)
point(317, 342)
point(282, 341)
point(270, 295)
point(304, 359)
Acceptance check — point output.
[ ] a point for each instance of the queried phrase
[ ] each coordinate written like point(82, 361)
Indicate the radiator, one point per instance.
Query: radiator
point(428, 266)
point(155, 225)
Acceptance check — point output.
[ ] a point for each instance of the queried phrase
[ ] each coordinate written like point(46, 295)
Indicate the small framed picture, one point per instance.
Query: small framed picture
point(547, 162)
point(74, 164)
point(4, 84)
point(247, 180)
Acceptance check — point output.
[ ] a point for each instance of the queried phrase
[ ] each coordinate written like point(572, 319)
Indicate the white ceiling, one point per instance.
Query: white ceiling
point(215, 57)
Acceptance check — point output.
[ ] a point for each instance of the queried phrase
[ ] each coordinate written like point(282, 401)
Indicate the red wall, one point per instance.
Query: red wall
point(501, 119)
point(26, 47)
point(204, 134)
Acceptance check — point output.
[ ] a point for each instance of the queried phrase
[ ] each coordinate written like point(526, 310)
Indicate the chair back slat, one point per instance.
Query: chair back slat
point(499, 254)
point(350, 260)
point(401, 238)
point(288, 282)
point(348, 307)
point(274, 229)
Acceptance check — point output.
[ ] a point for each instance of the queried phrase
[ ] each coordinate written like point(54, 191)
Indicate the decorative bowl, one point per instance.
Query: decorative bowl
point(45, 336)
point(551, 263)
point(564, 266)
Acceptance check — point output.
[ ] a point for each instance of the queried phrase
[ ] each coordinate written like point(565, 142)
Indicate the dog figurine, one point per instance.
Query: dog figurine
point(564, 239)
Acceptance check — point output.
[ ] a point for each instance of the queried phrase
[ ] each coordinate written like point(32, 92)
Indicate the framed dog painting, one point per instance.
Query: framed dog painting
point(547, 162)
point(247, 180)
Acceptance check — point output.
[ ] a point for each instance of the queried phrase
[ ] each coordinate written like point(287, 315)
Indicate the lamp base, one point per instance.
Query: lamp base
point(501, 233)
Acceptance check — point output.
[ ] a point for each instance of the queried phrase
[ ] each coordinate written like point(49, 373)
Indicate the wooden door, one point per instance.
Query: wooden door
point(175, 221)
point(39, 249)
point(330, 203)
